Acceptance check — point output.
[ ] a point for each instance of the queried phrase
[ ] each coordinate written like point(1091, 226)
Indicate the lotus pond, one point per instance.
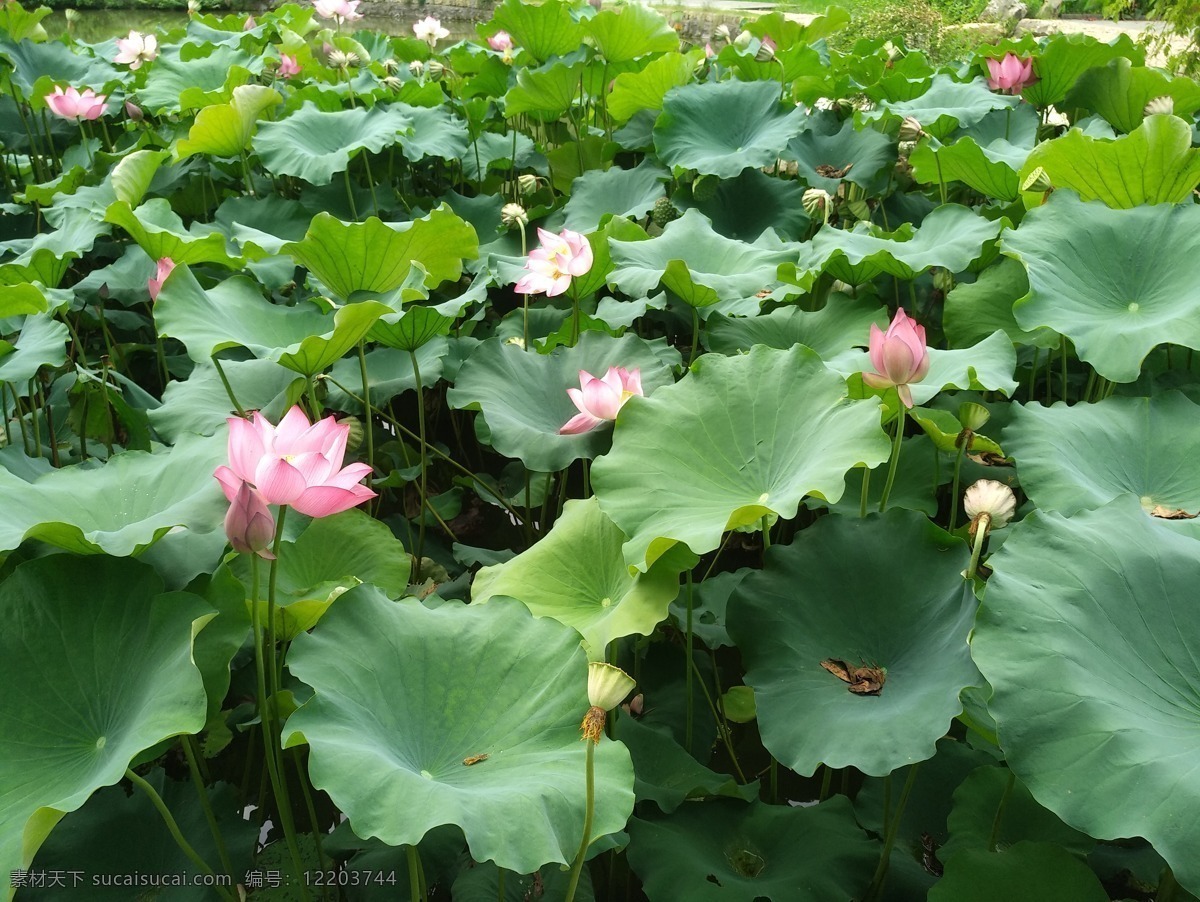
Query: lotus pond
point(572, 464)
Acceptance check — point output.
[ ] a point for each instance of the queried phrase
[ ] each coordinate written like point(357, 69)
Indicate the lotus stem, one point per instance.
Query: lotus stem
point(891, 476)
point(722, 726)
point(688, 667)
point(695, 335)
point(366, 399)
point(189, 751)
point(891, 829)
point(981, 525)
point(424, 486)
point(224, 381)
point(866, 490)
point(954, 493)
point(826, 783)
point(994, 836)
point(1168, 887)
point(589, 811)
point(350, 194)
point(414, 874)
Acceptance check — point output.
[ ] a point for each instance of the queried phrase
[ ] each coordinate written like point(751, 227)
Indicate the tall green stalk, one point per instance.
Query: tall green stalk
point(891, 476)
point(424, 485)
point(589, 812)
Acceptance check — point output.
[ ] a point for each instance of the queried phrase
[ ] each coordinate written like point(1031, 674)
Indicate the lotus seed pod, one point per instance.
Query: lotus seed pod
point(1164, 104)
point(815, 202)
point(513, 216)
point(910, 129)
point(943, 281)
point(973, 416)
point(766, 51)
point(743, 39)
point(416, 68)
point(705, 188)
point(1038, 180)
point(435, 69)
point(993, 499)
point(892, 52)
point(391, 65)
point(72, 15)
point(722, 33)
point(527, 184)
point(392, 83)
point(663, 212)
point(607, 685)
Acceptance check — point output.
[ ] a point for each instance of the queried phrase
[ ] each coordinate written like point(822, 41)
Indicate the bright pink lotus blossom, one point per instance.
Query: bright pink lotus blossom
point(430, 30)
point(1010, 74)
point(249, 524)
point(552, 265)
point(501, 42)
point(76, 106)
point(165, 265)
point(288, 65)
point(900, 356)
point(341, 10)
point(136, 49)
point(599, 400)
point(295, 463)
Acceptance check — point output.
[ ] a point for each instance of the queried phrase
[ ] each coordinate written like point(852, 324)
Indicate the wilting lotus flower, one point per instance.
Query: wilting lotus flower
point(900, 356)
point(288, 65)
point(249, 524)
point(136, 49)
point(341, 10)
point(165, 266)
point(1010, 74)
point(501, 42)
point(599, 400)
point(552, 265)
point(295, 463)
point(76, 106)
point(430, 30)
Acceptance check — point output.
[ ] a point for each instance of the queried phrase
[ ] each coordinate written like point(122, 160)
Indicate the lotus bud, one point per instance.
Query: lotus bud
point(815, 202)
point(527, 184)
point(392, 83)
point(943, 281)
point(990, 505)
point(607, 688)
point(743, 39)
point(722, 33)
point(416, 68)
point(513, 216)
point(910, 129)
point(973, 416)
point(435, 70)
point(1038, 180)
point(391, 65)
point(1164, 104)
point(766, 50)
point(133, 111)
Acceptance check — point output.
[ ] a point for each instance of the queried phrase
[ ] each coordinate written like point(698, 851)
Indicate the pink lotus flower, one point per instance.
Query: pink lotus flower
point(599, 400)
point(341, 10)
point(76, 106)
point(552, 265)
point(430, 30)
point(136, 49)
point(249, 524)
point(288, 65)
point(900, 356)
point(1010, 74)
point(501, 42)
point(165, 265)
point(295, 463)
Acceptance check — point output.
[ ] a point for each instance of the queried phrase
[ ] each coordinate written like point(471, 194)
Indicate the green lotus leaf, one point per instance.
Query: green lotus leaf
point(201, 405)
point(547, 92)
point(1115, 282)
point(621, 192)
point(315, 145)
point(951, 237)
point(132, 175)
point(730, 851)
point(974, 310)
point(843, 323)
point(947, 105)
point(235, 314)
point(543, 30)
point(416, 327)
point(827, 141)
point(174, 84)
point(332, 555)
point(914, 488)
point(376, 256)
point(912, 622)
point(695, 263)
point(224, 635)
point(1066, 57)
point(120, 508)
point(710, 598)
point(522, 395)
point(390, 372)
point(21, 23)
point(577, 576)
point(721, 128)
point(160, 232)
point(1082, 457)
point(98, 666)
point(602, 241)
point(973, 818)
point(492, 151)
point(435, 132)
point(1090, 644)
point(225, 129)
point(1025, 870)
point(46, 257)
point(54, 61)
point(746, 206)
point(41, 342)
point(739, 439)
point(478, 680)
point(1154, 164)
point(482, 883)
point(791, 64)
point(987, 157)
point(1120, 91)
point(627, 32)
point(633, 92)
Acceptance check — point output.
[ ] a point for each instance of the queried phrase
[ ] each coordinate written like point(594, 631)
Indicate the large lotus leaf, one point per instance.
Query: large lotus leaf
point(42, 342)
point(843, 323)
point(696, 263)
point(235, 314)
point(1115, 282)
point(122, 507)
point(744, 207)
point(46, 257)
point(627, 32)
point(739, 439)
point(1120, 91)
point(975, 310)
point(543, 30)
point(404, 695)
point(1066, 57)
point(951, 237)
point(1082, 457)
point(1090, 641)
point(315, 145)
point(160, 232)
point(838, 593)
point(721, 128)
point(133, 173)
point(522, 395)
point(55, 61)
point(947, 105)
point(986, 157)
point(1154, 164)
point(576, 575)
point(547, 92)
point(1027, 870)
point(727, 851)
point(21, 23)
point(633, 92)
point(201, 404)
point(225, 129)
point(376, 256)
point(622, 192)
point(174, 84)
point(97, 666)
point(436, 132)
point(389, 373)
point(829, 143)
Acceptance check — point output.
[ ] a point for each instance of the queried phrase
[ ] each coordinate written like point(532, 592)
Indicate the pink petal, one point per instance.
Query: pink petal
point(577, 397)
point(293, 425)
point(874, 380)
point(580, 423)
point(349, 476)
point(245, 448)
point(534, 283)
point(631, 381)
point(325, 500)
point(876, 345)
point(613, 379)
point(601, 400)
point(558, 286)
point(898, 362)
point(905, 394)
point(230, 482)
point(279, 482)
